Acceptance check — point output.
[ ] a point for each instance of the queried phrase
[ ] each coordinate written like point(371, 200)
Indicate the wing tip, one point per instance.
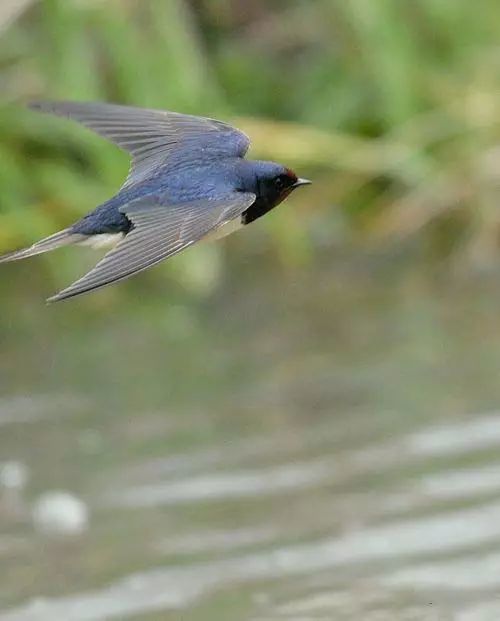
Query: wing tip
point(60, 108)
point(64, 294)
point(57, 297)
point(40, 105)
point(57, 108)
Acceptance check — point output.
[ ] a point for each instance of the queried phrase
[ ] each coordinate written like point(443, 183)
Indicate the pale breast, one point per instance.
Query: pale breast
point(102, 240)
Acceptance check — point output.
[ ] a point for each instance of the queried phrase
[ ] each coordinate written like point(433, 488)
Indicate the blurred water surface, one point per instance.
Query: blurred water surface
point(317, 447)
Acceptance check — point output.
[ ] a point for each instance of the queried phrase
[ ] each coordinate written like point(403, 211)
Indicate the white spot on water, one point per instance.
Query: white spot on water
point(60, 513)
point(13, 475)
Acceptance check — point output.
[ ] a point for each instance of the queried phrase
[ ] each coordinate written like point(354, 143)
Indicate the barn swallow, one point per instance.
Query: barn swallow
point(188, 181)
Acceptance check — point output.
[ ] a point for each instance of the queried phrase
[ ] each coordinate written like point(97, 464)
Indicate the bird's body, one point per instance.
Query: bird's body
point(188, 181)
point(201, 179)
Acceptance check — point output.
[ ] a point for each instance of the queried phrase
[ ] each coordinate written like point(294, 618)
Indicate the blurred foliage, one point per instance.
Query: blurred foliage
point(391, 107)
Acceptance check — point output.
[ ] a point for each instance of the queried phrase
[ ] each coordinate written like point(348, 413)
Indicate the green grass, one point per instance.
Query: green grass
point(393, 108)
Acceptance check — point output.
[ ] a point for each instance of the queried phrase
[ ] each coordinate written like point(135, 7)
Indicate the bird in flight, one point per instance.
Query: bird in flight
point(188, 181)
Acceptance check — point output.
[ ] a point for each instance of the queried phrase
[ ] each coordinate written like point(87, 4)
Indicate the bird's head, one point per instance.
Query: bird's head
point(274, 182)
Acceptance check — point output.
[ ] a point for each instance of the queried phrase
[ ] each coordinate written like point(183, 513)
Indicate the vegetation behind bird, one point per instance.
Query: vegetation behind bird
point(392, 107)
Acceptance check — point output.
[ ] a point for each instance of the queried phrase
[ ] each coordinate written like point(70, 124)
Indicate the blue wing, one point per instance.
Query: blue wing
point(159, 231)
point(150, 136)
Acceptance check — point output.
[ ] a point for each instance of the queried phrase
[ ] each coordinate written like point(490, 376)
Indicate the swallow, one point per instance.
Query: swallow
point(188, 181)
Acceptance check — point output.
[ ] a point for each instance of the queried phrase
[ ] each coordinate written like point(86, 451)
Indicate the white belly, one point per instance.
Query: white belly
point(103, 240)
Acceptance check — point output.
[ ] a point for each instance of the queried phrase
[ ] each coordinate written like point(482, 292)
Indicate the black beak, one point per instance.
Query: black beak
point(300, 182)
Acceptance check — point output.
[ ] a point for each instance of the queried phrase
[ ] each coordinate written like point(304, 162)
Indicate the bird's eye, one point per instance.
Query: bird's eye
point(281, 182)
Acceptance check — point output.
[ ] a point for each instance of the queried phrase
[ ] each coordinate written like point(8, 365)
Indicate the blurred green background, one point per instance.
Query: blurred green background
point(392, 107)
point(302, 419)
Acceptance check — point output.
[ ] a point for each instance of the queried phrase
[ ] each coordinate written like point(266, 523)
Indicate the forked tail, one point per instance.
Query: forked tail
point(63, 238)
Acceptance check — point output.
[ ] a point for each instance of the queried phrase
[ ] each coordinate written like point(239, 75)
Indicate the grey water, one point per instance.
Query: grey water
point(319, 447)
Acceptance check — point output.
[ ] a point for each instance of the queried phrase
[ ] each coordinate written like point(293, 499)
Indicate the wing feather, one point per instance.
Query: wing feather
point(159, 231)
point(150, 136)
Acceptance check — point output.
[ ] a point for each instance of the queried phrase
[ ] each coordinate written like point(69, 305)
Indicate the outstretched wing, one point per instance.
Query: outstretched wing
point(150, 136)
point(159, 231)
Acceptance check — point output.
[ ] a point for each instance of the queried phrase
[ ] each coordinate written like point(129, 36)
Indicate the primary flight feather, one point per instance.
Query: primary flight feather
point(188, 180)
